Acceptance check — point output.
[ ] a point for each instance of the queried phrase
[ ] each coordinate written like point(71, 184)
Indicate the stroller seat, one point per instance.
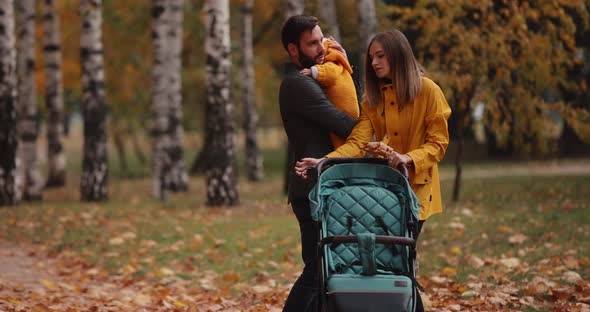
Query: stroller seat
point(367, 213)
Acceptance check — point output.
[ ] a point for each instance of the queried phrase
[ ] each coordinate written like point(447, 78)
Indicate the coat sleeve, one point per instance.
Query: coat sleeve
point(437, 133)
point(328, 73)
point(312, 104)
point(361, 135)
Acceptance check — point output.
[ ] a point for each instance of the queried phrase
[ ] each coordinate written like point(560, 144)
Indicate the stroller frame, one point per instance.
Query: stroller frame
point(378, 287)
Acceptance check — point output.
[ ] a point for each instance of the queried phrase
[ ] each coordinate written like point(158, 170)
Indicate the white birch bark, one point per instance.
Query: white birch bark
point(56, 158)
point(329, 19)
point(254, 167)
point(28, 126)
point(167, 132)
point(221, 175)
point(178, 173)
point(9, 184)
point(93, 184)
point(293, 7)
point(367, 26)
point(160, 108)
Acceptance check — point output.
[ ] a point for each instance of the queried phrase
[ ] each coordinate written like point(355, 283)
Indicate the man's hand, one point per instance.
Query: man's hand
point(305, 163)
point(336, 46)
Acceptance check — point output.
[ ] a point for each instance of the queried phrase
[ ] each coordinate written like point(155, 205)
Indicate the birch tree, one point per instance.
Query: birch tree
point(294, 7)
point(8, 131)
point(27, 127)
point(56, 158)
point(169, 173)
point(93, 186)
point(367, 27)
point(329, 19)
point(221, 174)
point(254, 167)
point(179, 176)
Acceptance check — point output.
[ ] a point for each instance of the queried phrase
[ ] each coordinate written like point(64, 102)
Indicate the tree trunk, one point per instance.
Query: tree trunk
point(367, 28)
point(9, 183)
point(329, 19)
point(138, 149)
point(221, 175)
point(28, 171)
point(161, 144)
point(458, 169)
point(254, 168)
point(121, 152)
point(179, 176)
point(294, 7)
point(56, 159)
point(167, 132)
point(93, 185)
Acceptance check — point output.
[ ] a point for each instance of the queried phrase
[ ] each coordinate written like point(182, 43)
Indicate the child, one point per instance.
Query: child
point(335, 77)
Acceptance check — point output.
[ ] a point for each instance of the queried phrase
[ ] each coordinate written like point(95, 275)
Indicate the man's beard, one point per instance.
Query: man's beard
point(306, 61)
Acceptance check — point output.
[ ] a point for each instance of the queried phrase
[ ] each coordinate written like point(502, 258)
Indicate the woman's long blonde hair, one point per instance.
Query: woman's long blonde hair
point(406, 72)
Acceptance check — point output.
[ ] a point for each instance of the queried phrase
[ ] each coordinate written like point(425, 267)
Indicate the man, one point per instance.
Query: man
point(308, 118)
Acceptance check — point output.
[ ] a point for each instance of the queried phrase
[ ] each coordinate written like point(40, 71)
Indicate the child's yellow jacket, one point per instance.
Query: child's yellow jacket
point(335, 78)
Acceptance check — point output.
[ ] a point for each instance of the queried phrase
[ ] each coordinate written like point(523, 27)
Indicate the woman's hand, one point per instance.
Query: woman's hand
point(378, 149)
point(305, 163)
point(395, 159)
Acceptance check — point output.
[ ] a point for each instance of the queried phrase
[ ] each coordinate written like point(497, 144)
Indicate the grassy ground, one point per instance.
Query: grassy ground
point(512, 233)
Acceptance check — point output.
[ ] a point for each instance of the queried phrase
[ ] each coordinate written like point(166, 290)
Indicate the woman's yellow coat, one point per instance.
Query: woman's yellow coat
point(419, 130)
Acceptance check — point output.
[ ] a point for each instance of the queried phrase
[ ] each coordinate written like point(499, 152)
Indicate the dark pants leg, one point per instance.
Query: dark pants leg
point(304, 294)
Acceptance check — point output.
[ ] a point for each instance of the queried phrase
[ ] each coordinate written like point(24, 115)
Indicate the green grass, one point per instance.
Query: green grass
point(551, 211)
point(261, 234)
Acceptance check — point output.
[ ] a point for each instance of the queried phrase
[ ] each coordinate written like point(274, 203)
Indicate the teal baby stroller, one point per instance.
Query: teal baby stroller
point(368, 217)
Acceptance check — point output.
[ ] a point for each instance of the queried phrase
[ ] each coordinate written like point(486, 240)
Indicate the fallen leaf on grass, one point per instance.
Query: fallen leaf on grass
point(116, 241)
point(474, 261)
point(504, 229)
point(510, 263)
point(571, 277)
point(231, 276)
point(448, 271)
point(517, 239)
point(49, 284)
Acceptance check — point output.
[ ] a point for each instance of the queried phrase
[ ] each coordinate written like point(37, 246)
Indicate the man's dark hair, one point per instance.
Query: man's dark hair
point(294, 26)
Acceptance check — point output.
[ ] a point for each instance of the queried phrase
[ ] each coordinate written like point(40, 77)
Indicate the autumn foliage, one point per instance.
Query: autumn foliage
point(518, 57)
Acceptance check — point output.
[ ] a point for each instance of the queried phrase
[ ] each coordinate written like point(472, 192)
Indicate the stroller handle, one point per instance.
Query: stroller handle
point(379, 239)
point(324, 164)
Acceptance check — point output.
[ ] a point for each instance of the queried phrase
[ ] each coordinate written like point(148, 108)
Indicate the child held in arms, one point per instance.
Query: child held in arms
point(335, 78)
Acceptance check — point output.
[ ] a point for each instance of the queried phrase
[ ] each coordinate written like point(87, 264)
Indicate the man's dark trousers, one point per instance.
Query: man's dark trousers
point(304, 295)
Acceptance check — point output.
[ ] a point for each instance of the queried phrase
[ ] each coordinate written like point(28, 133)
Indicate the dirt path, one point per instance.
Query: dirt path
point(19, 268)
point(571, 167)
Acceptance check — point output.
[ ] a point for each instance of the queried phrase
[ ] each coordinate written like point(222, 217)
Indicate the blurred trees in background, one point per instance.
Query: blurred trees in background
point(9, 184)
point(254, 167)
point(515, 57)
point(168, 169)
point(220, 132)
point(524, 62)
point(54, 99)
point(28, 124)
point(93, 182)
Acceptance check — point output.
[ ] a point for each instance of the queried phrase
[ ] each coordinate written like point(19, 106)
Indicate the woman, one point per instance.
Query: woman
point(406, 112)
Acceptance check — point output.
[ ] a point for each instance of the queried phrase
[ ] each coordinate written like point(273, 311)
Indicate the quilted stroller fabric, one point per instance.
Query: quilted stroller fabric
point(368, 216)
